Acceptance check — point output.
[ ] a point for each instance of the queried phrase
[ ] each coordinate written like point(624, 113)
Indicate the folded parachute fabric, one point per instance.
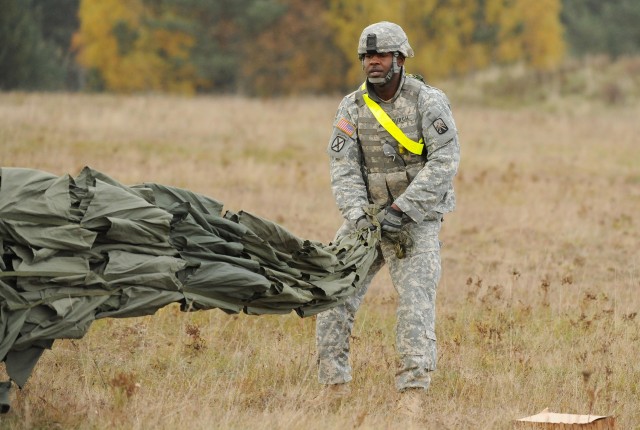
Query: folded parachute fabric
point(73, 250)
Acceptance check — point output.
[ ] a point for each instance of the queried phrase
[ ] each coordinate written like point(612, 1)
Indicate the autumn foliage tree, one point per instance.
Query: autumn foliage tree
point(458, 36)
point(268, 47)
point(295, 54)
point(134, 47)
point(223, 31)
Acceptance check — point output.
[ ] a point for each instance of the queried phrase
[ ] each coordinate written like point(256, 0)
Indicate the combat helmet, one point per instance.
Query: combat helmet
point(384, 37)
point(381, 37)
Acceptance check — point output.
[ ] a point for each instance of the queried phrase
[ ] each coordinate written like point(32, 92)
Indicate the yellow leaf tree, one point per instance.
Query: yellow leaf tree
point(130, 48)
point(457, 36)
point(527, 31)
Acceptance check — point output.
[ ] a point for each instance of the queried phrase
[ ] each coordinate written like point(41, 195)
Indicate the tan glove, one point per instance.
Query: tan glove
point(363, 222)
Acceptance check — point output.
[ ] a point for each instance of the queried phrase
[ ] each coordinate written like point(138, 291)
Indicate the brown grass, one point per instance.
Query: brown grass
point(537, 306)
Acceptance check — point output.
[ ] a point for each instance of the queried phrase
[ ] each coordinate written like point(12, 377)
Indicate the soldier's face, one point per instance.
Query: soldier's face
point(378, 64)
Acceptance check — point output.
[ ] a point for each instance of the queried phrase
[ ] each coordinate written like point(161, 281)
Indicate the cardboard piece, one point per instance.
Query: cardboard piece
point(552, 420)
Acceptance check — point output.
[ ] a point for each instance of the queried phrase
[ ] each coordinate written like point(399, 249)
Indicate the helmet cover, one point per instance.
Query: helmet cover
point(384, 37)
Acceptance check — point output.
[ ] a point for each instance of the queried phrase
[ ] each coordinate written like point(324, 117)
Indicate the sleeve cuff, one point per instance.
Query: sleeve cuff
point(354, 215)
point(410, 211)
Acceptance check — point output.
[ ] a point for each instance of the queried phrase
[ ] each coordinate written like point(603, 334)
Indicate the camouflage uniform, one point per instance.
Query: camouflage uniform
point(427, 193)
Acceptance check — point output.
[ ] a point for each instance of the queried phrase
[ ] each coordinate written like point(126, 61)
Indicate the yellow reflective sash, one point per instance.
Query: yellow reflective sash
point(391, 127)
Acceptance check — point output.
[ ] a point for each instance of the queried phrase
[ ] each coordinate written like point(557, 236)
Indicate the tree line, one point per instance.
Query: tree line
point(281, 47)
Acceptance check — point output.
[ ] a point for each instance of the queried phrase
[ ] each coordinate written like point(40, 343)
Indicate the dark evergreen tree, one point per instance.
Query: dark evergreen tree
point(34, 43)
point(602, 27)
point(58, 21)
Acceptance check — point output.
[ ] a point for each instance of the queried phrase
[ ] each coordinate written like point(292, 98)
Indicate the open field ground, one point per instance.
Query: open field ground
point(538, 304)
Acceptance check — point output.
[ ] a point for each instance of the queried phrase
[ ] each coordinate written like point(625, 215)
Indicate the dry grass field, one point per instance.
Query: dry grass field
point(538, 304)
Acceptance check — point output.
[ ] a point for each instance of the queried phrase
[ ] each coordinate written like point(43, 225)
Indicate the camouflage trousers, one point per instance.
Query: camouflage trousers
point(415, 278)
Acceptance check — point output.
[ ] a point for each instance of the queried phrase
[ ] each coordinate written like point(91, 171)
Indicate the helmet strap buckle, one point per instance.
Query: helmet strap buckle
point(396, 68)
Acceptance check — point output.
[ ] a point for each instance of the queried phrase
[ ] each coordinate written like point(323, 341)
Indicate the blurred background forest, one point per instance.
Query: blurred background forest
point(290, 47)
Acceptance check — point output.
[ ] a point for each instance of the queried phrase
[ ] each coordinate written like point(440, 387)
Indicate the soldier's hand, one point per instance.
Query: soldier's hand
point(390, 220)
point(364, 222)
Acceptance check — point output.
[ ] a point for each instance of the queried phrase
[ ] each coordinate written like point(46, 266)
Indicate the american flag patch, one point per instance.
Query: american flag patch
point(346, 126)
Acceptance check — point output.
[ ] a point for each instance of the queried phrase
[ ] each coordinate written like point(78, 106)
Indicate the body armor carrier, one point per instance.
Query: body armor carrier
point(388, 166)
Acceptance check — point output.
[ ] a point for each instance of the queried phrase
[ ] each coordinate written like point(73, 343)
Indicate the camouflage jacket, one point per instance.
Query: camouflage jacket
point(430, 191)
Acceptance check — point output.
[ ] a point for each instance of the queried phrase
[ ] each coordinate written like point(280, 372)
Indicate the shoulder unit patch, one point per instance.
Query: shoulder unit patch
point(440, 126)
point(338, 143)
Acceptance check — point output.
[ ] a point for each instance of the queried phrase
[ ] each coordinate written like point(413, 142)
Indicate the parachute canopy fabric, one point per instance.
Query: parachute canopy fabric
point(73, 250)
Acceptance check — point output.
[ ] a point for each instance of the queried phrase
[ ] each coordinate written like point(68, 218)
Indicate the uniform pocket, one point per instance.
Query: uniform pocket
point(378, 188)
point(412, 172)
point(433, 216)
point(397, 183)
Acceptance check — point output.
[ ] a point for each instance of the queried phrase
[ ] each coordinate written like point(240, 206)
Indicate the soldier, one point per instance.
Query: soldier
point(394, 147)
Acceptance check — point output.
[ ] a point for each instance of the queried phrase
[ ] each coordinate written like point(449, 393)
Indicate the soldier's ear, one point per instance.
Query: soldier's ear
point(400, 60)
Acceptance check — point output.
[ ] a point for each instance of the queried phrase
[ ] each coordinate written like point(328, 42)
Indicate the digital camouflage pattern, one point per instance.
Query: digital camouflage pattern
point(390, 37)
point(415, 278)
point(428, 195)
point(431, 188)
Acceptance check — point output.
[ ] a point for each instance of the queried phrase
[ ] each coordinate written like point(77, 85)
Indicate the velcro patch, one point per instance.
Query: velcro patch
point(338, 143)
point(440, 126)
point(346, 126)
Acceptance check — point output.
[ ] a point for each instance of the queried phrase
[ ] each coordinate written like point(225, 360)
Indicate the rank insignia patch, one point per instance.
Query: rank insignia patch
point(440, 126)
point(346, 126)
point(338, 143)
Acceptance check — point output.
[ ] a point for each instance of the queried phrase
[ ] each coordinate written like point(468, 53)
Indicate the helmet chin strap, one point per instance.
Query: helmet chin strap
point(392, 70)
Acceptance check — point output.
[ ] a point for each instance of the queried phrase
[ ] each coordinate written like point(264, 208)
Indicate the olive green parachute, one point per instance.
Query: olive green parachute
point(73, 250)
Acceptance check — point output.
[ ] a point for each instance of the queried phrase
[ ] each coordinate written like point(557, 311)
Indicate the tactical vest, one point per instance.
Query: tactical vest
point(388, 166)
